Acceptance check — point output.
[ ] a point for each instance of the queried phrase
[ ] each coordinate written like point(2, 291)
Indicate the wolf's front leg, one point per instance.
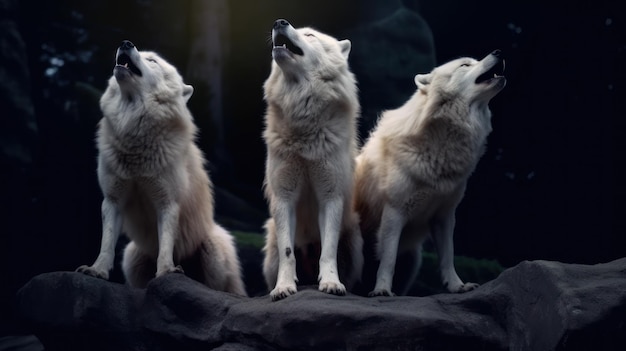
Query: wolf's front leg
point(388, 236)
point(284, 215)
point(330, 217)
point(111, 229)
point(168, 232)
point(442, 234)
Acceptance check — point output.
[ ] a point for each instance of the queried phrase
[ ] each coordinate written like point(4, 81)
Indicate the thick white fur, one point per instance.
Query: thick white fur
point(412, 172)
point(153, 181)
point(312, 109)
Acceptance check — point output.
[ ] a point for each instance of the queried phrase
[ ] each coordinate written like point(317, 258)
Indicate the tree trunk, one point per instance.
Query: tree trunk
point(208, 49)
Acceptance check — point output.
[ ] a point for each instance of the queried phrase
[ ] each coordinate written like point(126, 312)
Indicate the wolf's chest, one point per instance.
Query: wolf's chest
point(132, 154)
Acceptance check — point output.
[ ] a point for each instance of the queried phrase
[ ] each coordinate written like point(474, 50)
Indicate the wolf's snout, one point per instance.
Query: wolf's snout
point(280, 23)
point(496, 52)
point(124, 64)
point(127, 44)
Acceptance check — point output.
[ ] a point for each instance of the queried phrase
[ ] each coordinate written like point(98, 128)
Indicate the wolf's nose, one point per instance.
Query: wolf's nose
point(280, 23)
point(126, 44)
point(496, 52)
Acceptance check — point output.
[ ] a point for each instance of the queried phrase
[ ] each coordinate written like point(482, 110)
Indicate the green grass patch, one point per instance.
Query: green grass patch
point(469, 270)
point(249, 239)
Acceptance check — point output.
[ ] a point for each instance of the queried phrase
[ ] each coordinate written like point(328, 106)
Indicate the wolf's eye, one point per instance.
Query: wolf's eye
point(151, 60)
point(309, 35)
point(465, 65)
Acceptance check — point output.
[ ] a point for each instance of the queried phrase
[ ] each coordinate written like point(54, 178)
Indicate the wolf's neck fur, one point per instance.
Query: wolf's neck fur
point(313, 117)
point(422, 106)
point(143, 133)
point(310, 95)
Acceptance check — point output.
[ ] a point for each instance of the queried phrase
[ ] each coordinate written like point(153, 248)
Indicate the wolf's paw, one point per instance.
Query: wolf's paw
point(282, 291)
point(467, 287)
point(332, 287)
point(173, 269)
point(380, 292)
point(90, 270)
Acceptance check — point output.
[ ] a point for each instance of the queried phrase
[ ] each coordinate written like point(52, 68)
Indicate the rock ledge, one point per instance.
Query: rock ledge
point(536, 305)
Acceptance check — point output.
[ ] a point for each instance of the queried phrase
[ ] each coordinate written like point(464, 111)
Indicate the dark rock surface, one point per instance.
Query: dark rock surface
point(537, 305)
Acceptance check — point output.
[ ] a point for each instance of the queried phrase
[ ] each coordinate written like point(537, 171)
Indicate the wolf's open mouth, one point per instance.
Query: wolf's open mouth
point(125, 61)
point(283, 40)
point(496, 71)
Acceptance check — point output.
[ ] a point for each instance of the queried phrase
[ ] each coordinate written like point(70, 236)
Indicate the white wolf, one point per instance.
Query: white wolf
point(413, 169)
point(311, 117)
point(153, 181)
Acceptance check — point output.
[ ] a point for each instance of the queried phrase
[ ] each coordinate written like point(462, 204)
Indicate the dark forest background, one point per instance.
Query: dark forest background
point(550, 186)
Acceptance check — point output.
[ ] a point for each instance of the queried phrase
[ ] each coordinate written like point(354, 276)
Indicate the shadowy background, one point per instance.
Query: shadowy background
point(550, 185)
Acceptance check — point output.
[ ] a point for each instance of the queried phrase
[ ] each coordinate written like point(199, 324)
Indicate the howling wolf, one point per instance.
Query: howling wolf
point(153, 181)
point(412, 172)
point(312, 109)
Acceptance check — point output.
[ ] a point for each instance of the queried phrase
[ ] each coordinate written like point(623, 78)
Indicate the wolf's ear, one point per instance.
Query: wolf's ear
point(345, 46)
point(422, 80)
point(187, 92)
